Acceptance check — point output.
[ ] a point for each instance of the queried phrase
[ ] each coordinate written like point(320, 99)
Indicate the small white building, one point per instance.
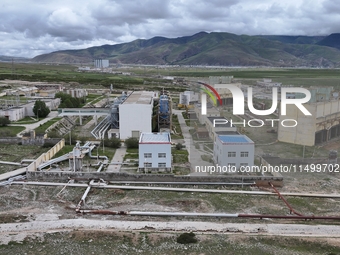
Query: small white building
point(233, 150)
point(14, 113)
point(188, 97)
point(155, 152)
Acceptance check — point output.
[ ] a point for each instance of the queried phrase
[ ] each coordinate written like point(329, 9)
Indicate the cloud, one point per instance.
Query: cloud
point(37, 26)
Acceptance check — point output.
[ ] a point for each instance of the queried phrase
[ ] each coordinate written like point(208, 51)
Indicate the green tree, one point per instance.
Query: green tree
point(40, 109)
point(67, 101)
point(132, 143)
point(4, 121)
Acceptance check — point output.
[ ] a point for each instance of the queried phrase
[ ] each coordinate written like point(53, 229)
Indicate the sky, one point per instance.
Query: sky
point(32, 27)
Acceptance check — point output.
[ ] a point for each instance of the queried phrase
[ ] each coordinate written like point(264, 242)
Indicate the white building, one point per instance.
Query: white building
point(233, 150)
point(13, 114)
point(187, 97)
point(79, 93)
point(101, 63)
point(135, 114)
point(155, 152)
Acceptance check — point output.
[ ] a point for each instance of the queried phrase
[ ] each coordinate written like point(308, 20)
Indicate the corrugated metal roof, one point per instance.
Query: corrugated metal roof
point(155, 138)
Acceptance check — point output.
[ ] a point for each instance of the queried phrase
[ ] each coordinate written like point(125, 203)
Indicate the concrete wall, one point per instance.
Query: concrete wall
point(134, 117)
point(10, 140)
point(324, 116)
point(304, 132)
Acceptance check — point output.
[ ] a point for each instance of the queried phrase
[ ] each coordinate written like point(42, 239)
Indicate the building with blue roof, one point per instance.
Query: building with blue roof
point(233, 150)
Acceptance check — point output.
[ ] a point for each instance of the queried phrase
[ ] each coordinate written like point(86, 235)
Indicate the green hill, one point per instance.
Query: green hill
point(209, 49)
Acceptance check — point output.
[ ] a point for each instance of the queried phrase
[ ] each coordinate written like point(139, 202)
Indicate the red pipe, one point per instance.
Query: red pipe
point(285, 201)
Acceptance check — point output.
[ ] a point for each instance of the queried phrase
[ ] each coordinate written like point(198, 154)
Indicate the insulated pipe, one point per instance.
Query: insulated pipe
point(105, 186)
point(295, 217)
point(217, 215)
point(82, 200)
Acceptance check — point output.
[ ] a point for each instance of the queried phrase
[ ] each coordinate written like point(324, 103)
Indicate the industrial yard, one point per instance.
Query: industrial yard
point(74, 188)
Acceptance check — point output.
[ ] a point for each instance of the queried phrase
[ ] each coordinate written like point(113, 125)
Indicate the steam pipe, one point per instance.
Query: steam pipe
point(90, 148)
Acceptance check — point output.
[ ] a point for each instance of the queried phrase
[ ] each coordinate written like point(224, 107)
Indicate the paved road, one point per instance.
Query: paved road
point(194, 154)
point(32, 126)
point(19, 231)
point(117, 159)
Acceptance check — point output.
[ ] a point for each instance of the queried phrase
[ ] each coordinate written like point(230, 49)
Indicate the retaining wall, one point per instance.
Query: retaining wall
point(46, 156)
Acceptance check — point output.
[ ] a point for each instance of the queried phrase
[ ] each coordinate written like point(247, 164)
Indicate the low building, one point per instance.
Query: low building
point(18, 112)
point(155, 152)
point(233, 151)
point(78, 93)
point(14, 113)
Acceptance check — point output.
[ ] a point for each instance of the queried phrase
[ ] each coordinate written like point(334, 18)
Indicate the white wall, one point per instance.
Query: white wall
point(154, 149)
point(221, 153)
point(134, 117)
point(14, 114)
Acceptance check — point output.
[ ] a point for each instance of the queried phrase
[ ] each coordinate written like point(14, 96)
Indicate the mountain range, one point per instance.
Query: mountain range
point(213, 49)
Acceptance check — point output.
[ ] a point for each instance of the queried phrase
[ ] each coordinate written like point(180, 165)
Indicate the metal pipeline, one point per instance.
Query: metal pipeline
point(216, 215)
point(90, 148)
point(285, 201)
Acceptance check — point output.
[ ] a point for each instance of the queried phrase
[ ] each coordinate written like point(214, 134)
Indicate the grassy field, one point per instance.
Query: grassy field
point(10, 131)
point(149, 76)
point(146, 243)
point(42, 128)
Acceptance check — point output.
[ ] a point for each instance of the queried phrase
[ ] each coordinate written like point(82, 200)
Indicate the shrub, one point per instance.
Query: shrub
point(179, 146)
point(4, 121)
point(186, 238)
point(132, 143)
point(112, 142)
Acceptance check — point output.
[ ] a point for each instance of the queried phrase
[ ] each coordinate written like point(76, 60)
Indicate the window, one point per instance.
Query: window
point(244, 154)
point(231, 164)
point(244, 164)
point(147, 164)
point(147, 155)
point(231, 154)
point(162, 155)
point(161, 164)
